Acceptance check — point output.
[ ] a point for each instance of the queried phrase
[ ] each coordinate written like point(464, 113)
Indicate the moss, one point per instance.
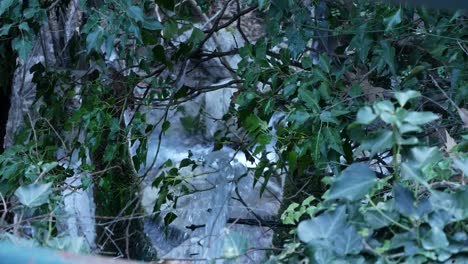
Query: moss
point(117, 197)
point(117, 194)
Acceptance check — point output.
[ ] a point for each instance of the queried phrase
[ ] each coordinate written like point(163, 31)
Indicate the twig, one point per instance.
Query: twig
point(442, 90)
point(239, 26)
point(5, 207)
point(237, 16)
point(53, 5)
point(211, 33)
point(239, 198)
point(34, 133)
point(367, 74)
point(462, 47)
point(178, 83)
point(127, 236)
point(104, 170)
point(57, 134)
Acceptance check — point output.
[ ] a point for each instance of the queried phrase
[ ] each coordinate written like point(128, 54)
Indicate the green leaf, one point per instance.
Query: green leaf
point(420, 118)
point(389, 118)
point(388, 55)
point(170, 29)
point(252, 122)
point(409, 141)
point(355, 90)
point(462, 165)
point(348, 242)
point(407, 128)
point(264, 139)
point(325, 226)
point(326, 116)
point(439, 218)
point(217, 146)
point(333, 140)
point(307, 62)
point(235, 245)
point(152, 24)
point(298, 118)
point(31, 11)
point(392, 20)
point(411, 172)
point(292, 160)
point(186, 162)
point(296, 42)
point(384, 106)
point(435, 239)
point(361, 43)
point(165, 126)
point(34, 195)
point(374, 219)
point(353, 183)
point(136, 31)
point(422, 156)
point(454, 203)
point(321, 254)
point(32, 172)
point(285, 56)
point(324, 63)
point(46, 167)
point(23, 46)
point(197, 36)
point(365, 115)
point(136, 13)
point(377, 142)
point(109, 45)
point(404, 200)
point(4, 5)
point(162, 196)
point(169, 218)
point(404, 97)
point(289, 89)
point(400, 114)
point(94, 40)
point(5, 29)
point(260, 50)
point(290, 215)
point(262, 4)
point(309, 98)
point(110, 152)
point(24, 27)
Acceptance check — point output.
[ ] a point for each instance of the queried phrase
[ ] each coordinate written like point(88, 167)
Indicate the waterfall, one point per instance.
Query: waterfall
point(219, 217)
point(212, 222)
point(213, 214)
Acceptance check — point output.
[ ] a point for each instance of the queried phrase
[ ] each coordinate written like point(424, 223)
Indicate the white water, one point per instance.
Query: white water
point(220, 174)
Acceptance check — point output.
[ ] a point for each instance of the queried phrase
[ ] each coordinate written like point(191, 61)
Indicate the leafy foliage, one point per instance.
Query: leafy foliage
point(351, 96)
point(413, 221)
point(336, 115)
point(19, 22)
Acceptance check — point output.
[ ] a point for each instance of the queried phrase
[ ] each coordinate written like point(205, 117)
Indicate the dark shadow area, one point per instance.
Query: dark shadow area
point(7, 68)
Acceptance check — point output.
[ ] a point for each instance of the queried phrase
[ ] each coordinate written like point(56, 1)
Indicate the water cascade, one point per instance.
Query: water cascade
point(219, 211)
point(222, 209)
